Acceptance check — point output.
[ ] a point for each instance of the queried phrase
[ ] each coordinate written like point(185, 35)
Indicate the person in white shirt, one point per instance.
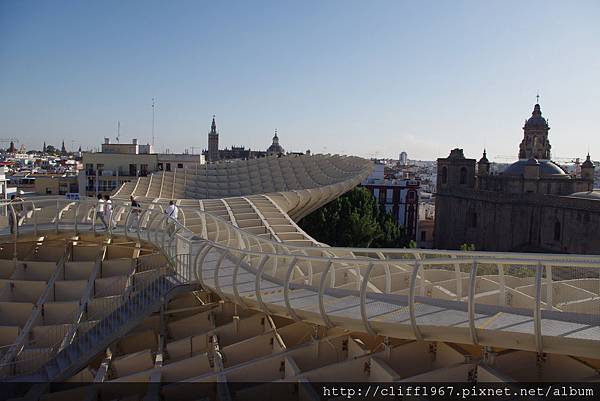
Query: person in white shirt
point(172, 211)
point(108, 211)
point(99, 212)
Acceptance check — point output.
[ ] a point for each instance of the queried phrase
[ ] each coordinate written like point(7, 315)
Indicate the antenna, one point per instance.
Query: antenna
point(152, 121)
point(118, 130)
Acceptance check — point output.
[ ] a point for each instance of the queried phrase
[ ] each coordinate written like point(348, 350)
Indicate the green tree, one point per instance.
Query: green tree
point(51, 150)
point(467, 247)
point(355, 220)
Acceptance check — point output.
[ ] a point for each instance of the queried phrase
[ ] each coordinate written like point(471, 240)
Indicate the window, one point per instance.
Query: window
point(168, 167)
point(410, 196)
point(444, 175)
point(557, 231)
point(143, 170)
point(463, 175)
point(179, 165)
point(376, 193)
point(99, 167)
point(160, 166)
point(132, 170)
point(89, 169)
point(423, 235)
point(389, 196)
point(48, 191)
point(474, 220)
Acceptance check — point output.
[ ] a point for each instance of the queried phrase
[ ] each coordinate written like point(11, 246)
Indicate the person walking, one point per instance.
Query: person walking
point(108, 212)
point(134, 219)
point(171, 211)
point(15, 212)
point(99, 211)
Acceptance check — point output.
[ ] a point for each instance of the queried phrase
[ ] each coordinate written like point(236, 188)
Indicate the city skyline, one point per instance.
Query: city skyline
point(340, 78)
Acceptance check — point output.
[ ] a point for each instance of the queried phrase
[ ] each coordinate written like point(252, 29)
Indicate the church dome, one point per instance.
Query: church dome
point(484, 159)
point(536, 119)
point(275, 148)
point(547, 168)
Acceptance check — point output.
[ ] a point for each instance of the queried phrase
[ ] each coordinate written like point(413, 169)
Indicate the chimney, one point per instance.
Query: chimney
point(134, 140)
point(106, 141)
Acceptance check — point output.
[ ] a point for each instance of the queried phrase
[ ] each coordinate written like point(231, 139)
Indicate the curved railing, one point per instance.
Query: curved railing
point(537, 302)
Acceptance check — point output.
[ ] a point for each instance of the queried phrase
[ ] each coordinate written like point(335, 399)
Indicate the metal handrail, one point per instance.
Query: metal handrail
point(223, 239)
point(284, 249)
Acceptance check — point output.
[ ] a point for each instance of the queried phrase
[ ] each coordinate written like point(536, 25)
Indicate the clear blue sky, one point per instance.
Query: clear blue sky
point(357, 77)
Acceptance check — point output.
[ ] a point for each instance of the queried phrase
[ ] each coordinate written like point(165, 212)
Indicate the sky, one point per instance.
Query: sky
point(369, 78)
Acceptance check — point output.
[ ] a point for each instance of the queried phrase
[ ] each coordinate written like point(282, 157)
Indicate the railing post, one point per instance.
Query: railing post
point(216, 275)
point(127, 223)
point(139, 224)
point(257, 283)
point(94, 217)
point(57, 214)
point(537, 312)
point(76, 215)
point(411, 301)
point(15, 232)
point(363, 300)
point(110, 218)
point(458, 275)
point(286, 290)
point(502, 282)
point(471, 303)
point(549, 289)
point(199, 261)
point(34, 214)
point(236, 292)
point(326, 319)
point(149, 227)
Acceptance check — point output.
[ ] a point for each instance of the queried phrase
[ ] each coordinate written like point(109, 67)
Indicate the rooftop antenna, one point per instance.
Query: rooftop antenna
point(152, 121)
point(537, 98)
point(118, 130)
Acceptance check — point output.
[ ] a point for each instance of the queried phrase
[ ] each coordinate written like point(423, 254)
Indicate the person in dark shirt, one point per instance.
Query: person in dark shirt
point(136, 209)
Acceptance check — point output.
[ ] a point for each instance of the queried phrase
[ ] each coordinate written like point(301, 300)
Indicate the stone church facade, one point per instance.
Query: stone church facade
point(532, 206)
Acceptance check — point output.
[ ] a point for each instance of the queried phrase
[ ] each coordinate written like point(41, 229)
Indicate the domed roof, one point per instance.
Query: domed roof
point(275, 148)
point(484, 159)
point(536, 119)
point(547, 168)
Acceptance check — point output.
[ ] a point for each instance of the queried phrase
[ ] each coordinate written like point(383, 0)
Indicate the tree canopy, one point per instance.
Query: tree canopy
point(355, 220)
